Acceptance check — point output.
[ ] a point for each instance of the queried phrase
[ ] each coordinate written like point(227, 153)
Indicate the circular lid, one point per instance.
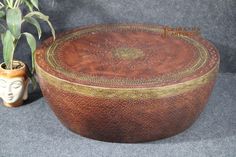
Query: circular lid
point(126, 56)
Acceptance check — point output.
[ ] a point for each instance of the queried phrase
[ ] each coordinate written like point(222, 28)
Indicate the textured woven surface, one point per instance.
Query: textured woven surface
point(126, 120)
point(34, 131)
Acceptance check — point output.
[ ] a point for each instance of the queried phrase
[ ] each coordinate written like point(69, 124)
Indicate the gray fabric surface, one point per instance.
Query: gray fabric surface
point(34, 131)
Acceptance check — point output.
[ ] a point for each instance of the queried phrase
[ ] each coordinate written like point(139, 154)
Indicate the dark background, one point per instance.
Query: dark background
point(215, 18)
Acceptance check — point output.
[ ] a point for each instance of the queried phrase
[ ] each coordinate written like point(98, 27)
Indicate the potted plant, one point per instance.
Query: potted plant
point(14, 75)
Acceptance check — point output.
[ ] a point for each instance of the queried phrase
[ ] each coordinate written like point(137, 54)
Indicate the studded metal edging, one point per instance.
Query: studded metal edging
point(128, 93)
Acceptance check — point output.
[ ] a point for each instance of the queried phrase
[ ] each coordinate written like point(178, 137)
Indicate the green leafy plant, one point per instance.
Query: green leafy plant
point(12, 19)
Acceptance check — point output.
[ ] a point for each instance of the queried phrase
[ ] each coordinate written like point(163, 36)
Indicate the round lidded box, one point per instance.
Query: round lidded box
point(126, 83)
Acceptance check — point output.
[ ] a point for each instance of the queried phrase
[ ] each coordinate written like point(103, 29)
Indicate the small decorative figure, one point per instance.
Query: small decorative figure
point(14, 86)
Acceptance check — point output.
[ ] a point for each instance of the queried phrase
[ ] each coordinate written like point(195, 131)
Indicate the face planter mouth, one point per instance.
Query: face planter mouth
point(10, 97)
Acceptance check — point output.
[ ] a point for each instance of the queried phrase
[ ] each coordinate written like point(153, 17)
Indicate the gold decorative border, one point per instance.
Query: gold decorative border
point(203, 56)
point(127, 93)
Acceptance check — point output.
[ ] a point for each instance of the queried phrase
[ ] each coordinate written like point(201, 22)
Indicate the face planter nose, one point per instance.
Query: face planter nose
point(9, 93)
point(9, 90)
point(10, 96)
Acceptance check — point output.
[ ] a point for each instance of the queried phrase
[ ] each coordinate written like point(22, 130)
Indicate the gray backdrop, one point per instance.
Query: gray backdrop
point(215, 18)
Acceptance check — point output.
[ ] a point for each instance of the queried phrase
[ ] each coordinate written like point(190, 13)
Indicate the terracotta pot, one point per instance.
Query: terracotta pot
point(13, 84)
point(126, 83)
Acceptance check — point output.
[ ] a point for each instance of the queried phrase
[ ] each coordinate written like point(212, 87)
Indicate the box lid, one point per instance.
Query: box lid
point(126, 55)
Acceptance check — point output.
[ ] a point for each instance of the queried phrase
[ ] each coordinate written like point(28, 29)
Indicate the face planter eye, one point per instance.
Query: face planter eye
point(11, 89)
point(16, 84)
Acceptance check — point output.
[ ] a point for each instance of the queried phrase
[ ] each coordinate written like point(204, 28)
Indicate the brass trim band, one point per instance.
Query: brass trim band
point(128, 93)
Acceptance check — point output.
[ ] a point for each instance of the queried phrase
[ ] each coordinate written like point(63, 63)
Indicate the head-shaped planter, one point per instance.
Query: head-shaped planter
point(13, 84)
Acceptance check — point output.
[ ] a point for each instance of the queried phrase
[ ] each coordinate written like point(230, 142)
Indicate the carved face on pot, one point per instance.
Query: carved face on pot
point(12, 89)
point(13, 85)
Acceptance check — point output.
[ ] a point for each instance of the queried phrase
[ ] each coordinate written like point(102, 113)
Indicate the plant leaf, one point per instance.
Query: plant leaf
point(43, 17)
point(35, 3)
point(31, 76)
point(8, 3)
point(2, 37)
point(8, 48)
point(2, 28)
point(34, 22)
point(14, 17)
point(32, 44)
point(29, 5)
point(5, 2)
point(31, 41)
point(52, 29)
point(11, 2)
point(2, 14)
point(33, 81)
point(38, 15)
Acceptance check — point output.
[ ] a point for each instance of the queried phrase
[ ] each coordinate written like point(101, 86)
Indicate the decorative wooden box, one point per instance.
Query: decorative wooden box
point(126, 83)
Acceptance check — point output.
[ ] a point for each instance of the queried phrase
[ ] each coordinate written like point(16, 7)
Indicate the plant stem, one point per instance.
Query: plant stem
point(17, 3)
point(15, 44)
point(10, 5)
